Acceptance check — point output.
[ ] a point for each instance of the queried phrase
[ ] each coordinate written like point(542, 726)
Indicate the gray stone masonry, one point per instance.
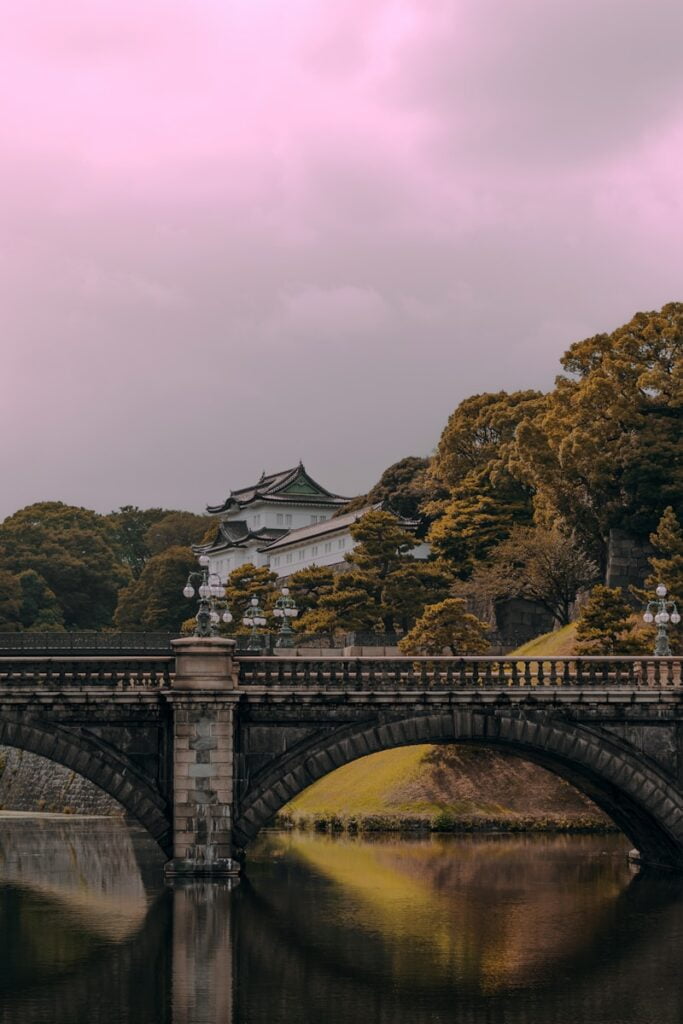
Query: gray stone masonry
point(627, 561)
point(203, 703)
point(31, 783)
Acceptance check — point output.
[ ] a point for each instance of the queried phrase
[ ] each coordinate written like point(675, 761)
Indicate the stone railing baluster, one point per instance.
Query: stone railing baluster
point(429, 673)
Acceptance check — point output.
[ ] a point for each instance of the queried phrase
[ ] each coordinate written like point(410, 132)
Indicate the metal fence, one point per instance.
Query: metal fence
point(84, 643)
point(93, 643)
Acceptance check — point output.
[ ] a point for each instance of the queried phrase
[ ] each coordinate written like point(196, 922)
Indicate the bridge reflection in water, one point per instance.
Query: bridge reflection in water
point(473, 929)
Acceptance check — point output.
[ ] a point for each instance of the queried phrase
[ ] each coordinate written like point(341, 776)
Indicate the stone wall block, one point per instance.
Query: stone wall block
point(203, 760)
point(203, 741)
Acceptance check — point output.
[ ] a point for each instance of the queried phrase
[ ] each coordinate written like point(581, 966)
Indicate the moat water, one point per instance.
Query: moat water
point(323, 930)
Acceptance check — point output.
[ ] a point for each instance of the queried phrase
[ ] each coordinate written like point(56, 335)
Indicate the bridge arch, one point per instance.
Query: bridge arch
point(631, 789)
point(94, 761)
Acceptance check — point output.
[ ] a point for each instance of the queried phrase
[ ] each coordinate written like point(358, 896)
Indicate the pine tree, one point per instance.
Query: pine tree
point(446, 626)
point(244, 583)
point(605, 625)
point(667, 564)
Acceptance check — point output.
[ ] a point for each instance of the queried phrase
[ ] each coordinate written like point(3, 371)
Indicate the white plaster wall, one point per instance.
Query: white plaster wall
point(223, 562)
point(325, 551)
point(261, 514)
point(292, 559)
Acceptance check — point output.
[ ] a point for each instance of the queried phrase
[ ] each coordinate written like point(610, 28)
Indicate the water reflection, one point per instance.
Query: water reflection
point(482, 930)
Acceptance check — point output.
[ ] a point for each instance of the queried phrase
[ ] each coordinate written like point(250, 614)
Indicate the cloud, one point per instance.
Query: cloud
point(236, 234)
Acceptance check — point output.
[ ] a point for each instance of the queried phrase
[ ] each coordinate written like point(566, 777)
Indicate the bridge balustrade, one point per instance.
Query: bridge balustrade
point(338, 673)
point(432, 673)
point(60, 673)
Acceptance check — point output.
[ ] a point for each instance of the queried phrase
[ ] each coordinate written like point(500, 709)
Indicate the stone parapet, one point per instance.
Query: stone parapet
point(204, 663)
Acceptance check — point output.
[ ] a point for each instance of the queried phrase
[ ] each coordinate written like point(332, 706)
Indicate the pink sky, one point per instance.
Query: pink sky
point(236, 233)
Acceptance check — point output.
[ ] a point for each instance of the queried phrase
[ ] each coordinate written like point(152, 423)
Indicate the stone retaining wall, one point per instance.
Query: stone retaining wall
point(32, 783)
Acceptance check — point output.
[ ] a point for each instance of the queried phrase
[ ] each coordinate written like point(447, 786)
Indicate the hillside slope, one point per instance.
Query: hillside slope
point(453, 787)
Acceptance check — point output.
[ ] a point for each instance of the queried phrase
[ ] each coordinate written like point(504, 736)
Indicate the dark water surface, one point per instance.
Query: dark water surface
point(487, 930)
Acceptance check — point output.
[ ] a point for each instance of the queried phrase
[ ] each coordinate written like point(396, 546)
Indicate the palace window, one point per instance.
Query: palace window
point(341, 543)
point(302, 554)
point(328, 546)
point(288, 520)
point(288, 557)
point(314, 550)
point(279, 519)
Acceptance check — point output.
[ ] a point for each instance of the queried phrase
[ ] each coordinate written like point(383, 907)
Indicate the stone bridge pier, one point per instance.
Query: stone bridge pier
point(203, 701)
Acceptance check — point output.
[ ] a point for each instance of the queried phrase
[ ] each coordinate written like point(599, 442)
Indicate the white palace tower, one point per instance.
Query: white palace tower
point(285, 522)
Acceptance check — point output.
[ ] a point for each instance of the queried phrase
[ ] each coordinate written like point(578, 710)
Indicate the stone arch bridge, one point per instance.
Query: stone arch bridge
point(204, 748)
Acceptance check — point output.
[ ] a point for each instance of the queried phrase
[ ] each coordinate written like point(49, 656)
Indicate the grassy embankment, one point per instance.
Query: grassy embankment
point(447, 788)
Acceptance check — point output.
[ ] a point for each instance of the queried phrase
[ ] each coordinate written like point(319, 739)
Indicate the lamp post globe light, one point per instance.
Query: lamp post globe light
point(255, 618)
point(211, 592)
point(285, 609)
point(663, 613)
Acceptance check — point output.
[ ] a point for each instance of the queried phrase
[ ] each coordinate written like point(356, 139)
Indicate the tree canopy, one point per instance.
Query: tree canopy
point(446, 626)
point(542, 565)
point(74, 553)
point(130, 525)
point(143, 532)
point(385, 588)
point(605, 625)
point(242, 584)
point(667, 561)
point(403, 489)
point(485, 499)
point(605, 447)
point(155, 600)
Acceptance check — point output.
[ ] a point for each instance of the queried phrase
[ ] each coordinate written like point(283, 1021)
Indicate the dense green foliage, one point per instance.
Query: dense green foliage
point(605, 625)
point(404, 489)
point(64, 567)
point(141, 533)
point(155, 600)
point(308, 586)
point(73, 553)
point(447, 626)
point(472, 463)
point(667, 562)
point(538, 564)
point(242, 585)
point(385, 588)
point(606, 447)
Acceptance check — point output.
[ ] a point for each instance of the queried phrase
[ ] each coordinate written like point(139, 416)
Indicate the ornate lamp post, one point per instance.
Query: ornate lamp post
point(285, 609)
point(210, 590)
point(254, 617)
point(662, 612)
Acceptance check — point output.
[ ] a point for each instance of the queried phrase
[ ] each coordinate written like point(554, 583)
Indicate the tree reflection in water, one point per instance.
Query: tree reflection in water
point(481, 930)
